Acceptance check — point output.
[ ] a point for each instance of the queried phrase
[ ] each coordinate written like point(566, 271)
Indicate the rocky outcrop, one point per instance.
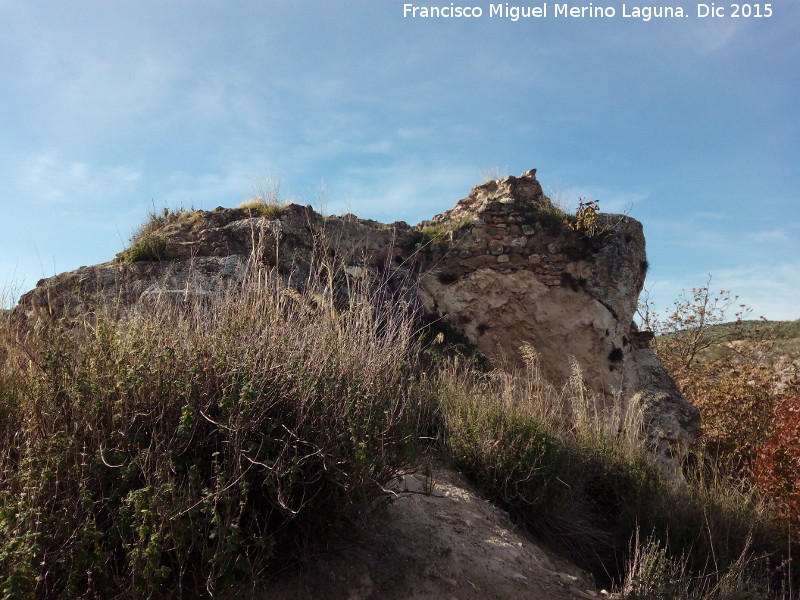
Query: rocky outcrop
point(671, 422)
point(203, 252)
point(504, 267)
point(511, 271)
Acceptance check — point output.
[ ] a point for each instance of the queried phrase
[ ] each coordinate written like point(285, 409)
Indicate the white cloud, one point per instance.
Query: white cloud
point(710, 34)
point(409, 190)
point(378, 147)
point(47, 178)
point(127, 84)
point(779, 234)
point(228, 96)
point(228, 187)
point(770, 290)
point(414, 133)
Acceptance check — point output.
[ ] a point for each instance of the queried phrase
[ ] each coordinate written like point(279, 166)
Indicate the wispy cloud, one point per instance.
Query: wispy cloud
point(773, 288)
point(48, 178)
point(770, 289)
point(612, 200)
point(407, 190)
point(779, 234)
point(709, 35)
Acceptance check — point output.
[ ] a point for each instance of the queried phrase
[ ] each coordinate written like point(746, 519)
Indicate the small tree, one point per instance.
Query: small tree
point(729, 381)
point(689, 329)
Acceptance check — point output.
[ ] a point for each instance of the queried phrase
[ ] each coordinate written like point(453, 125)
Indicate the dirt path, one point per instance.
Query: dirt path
point(446, 544)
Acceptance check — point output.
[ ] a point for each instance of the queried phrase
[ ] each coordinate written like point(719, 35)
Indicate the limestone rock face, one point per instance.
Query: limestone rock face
point(503, 266)
point(509, 271)
point(671, 422)
point(512, 272)
point(205, 252)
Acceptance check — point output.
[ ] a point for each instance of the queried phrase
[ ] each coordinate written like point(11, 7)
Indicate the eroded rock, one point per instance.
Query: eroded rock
point(501, 266)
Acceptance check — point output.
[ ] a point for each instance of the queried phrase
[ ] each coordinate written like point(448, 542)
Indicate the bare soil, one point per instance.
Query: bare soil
point(437, 540)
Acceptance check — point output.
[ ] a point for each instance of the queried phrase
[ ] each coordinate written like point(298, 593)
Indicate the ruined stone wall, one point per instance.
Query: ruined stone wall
point(502, 267)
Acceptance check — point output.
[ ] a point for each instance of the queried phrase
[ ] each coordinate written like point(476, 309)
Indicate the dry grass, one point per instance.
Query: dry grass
point(583, 480)
point(265, 199)
point(190, 446)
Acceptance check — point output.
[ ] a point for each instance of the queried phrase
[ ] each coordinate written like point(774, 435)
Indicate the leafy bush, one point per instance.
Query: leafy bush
point(185, 449)
point(146, 243)
point(736, 403)
point(777, 465)
point(585, 220)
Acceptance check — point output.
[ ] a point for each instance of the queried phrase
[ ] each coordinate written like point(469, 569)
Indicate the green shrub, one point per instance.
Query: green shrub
point(147, 247)
point(184, 451)
point(147, 244)
point(551, 218)
point(439, 233)
point(428, 236)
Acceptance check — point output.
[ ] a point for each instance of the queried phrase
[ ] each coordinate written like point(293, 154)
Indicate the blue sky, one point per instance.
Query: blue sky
point(109, 109)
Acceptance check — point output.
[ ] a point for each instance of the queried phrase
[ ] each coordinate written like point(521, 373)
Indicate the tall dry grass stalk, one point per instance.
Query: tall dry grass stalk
point(188, 446)
point(549, 455)
point(653, 574)
point(581, 477)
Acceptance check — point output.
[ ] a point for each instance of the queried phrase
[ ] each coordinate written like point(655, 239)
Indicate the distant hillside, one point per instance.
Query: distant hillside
point(758, 329)
point(784, 337)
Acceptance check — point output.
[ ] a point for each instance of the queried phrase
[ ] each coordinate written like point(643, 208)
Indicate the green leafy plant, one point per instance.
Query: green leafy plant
point(147, 243)
point(188, 449)
point(147, 247)
point(586, 220)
